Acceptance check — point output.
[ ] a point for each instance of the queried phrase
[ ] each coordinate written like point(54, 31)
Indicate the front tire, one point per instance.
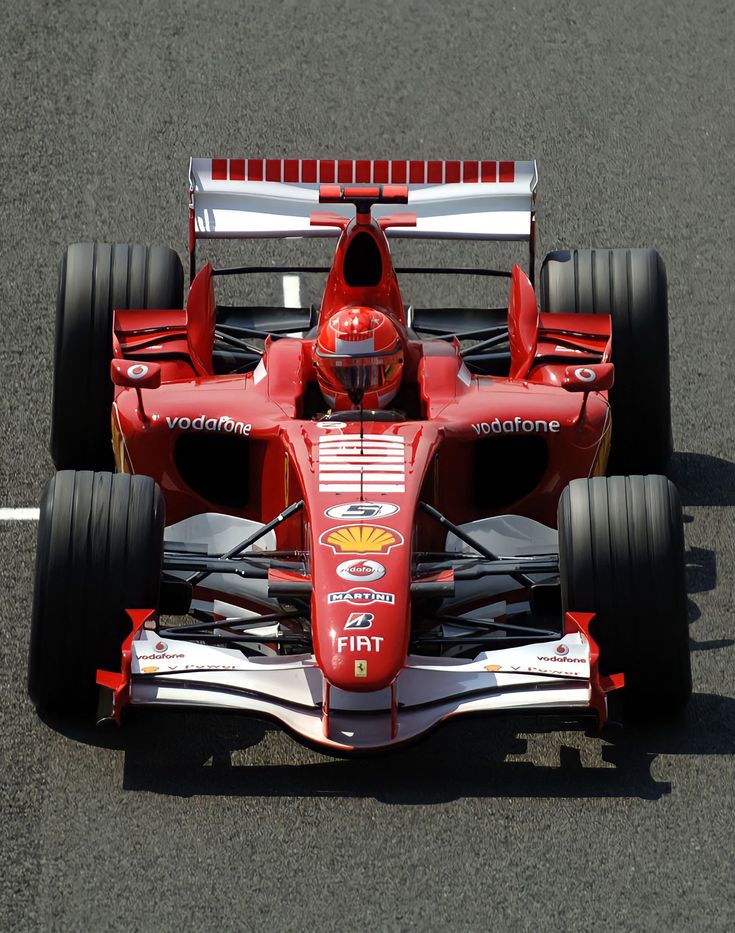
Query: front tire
point(100, 549)
point(621, 553)
point(629, 285)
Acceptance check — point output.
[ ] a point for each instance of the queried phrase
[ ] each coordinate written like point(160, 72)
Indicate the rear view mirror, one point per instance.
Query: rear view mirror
point(594, 377)
point(134, 375)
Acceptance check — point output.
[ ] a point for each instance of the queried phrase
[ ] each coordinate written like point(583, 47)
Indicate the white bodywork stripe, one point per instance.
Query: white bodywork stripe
point(375, 464)
point(367, 486)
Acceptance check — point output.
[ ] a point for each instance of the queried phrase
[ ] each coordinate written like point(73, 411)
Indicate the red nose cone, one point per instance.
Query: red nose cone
point(361, 580)
point(365, 648)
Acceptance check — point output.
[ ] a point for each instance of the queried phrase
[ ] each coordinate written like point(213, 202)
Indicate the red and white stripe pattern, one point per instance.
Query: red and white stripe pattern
point(377, 463)
point(363, 171)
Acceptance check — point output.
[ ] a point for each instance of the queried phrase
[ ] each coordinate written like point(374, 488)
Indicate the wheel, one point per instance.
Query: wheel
point(621, 552)
point(630, 285)
point(95, 279)
point(100, 548)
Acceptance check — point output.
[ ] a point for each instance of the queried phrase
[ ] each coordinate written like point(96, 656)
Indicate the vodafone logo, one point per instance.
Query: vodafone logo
point(202, 423)
point(138, 371)
point(160, 656)
point(562, 649)
point(565, 660)
point(584, 374)
point(362, 571)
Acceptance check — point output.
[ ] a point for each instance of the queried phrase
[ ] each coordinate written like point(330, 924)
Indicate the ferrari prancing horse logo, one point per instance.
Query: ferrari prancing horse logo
point(361, 539)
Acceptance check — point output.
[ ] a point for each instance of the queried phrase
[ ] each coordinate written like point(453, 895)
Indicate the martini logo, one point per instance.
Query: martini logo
point(357, 511)
point(361, 597)
point(359, 620)
point(361, 570)
point(361, 539)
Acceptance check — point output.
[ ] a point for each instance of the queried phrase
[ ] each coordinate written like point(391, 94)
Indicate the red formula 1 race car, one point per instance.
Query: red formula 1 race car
point(370, 516)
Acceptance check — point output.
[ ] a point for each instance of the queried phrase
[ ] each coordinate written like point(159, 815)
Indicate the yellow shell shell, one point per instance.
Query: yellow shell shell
point(361, 539)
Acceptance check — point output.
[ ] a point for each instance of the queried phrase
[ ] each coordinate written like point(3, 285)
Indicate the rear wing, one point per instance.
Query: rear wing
point(244, 198)
point(275, 197)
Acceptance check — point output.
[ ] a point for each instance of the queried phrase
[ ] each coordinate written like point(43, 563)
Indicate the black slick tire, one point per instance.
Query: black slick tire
point(99, 552)
point(621, 551)
point(94, 280)
point(630, 285)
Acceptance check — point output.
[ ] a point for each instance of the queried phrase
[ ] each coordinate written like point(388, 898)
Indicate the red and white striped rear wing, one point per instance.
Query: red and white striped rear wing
point(480, 200)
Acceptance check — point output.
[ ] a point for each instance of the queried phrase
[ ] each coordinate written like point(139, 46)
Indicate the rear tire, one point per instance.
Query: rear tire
point(94, 280)
point(100, 548)
point(630, 285)
point(621, 553)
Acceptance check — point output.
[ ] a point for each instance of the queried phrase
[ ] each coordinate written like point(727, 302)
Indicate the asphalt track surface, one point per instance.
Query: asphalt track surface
point(184, 822)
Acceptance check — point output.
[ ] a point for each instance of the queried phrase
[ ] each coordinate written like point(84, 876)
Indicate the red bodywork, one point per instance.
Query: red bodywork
point(430, 456)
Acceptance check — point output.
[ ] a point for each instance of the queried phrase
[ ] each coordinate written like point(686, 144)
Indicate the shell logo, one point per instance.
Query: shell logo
point(361, 539)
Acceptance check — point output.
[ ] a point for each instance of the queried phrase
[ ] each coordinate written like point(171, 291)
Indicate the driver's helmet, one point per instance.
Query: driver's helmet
point(358, 357)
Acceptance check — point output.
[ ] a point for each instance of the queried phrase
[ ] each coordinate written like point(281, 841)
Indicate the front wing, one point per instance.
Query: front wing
point(559, 676)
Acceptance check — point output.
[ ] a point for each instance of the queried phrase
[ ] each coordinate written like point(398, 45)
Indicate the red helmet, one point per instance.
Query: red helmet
point(359, 359)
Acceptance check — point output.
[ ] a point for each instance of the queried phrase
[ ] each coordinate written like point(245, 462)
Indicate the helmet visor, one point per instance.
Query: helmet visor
point(359, 375)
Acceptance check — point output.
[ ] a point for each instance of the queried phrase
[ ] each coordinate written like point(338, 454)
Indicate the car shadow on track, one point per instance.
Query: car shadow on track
point(190, 754)
point(703, 480)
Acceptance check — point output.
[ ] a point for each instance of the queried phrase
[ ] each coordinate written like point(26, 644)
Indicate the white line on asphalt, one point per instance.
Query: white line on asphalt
point(291, 291)
point(19, 515)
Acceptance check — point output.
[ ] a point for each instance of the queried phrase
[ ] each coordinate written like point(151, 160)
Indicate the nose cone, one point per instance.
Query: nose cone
point(361, 486)
point(364, 649)
point(360, 602)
